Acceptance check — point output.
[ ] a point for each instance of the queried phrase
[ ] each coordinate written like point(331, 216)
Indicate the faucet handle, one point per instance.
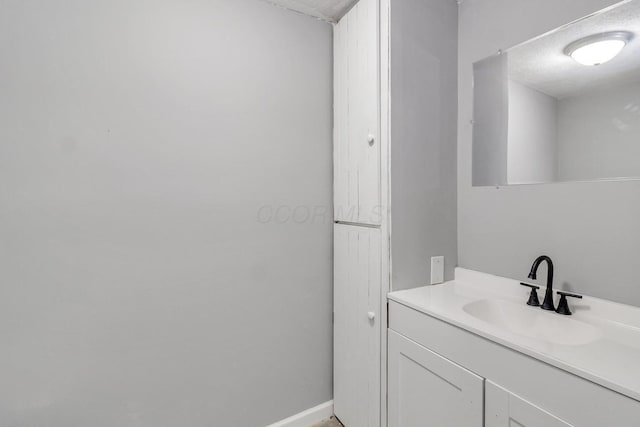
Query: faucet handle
point(533, 297)
point(563, 306)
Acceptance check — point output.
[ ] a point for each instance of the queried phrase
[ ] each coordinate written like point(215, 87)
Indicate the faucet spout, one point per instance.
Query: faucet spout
point(547, 304)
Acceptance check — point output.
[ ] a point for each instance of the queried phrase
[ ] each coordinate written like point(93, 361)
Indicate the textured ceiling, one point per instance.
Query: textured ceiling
point(329, 10)
point(542, 64)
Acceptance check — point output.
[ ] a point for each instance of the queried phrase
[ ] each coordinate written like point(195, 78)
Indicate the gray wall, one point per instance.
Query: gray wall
point(598, 133)
point(532, 148)
point(490, 120)
point(138, 140)
point(591, 230)
point(423, 138)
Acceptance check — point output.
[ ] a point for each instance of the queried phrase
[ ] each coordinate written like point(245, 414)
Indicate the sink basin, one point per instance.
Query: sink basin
point(532, 322)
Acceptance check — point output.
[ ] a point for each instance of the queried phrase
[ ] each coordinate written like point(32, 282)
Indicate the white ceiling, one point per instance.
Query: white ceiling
point(542, 64)
point(329, 10)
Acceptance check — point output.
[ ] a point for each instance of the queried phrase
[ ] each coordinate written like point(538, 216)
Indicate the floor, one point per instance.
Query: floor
point(331, 422)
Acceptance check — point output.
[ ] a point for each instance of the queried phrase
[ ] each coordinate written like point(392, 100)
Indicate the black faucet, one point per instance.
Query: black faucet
point(547, 304)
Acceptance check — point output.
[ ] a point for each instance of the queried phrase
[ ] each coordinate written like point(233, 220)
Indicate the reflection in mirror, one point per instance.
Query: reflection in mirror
point(562, 107)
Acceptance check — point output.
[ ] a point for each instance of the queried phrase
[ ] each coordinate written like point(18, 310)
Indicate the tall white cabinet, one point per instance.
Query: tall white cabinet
point(361, 238)
point(395, 98)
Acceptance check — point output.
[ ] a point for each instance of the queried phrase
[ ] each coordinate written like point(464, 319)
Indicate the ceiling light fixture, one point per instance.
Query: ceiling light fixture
point(598, 48)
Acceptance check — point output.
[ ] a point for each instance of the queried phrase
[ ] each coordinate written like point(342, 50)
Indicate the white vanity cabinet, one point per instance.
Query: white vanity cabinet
point(440, 374)
point(427, 389)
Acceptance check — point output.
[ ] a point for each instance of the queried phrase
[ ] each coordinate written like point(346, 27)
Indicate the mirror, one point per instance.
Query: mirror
point(561, 107)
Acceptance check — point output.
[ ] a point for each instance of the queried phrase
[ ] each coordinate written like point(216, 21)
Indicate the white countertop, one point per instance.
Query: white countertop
point(599, 342)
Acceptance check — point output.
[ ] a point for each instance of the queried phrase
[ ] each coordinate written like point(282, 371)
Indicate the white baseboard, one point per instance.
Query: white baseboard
point(309, 417)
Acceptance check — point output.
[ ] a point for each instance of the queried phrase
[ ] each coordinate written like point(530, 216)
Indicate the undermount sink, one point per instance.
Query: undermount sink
point(532, 322)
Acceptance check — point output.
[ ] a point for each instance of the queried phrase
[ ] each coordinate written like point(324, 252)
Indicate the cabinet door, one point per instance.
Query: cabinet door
point(427, 390)
point(356, 117)
point(505, 409)
point(356, 328)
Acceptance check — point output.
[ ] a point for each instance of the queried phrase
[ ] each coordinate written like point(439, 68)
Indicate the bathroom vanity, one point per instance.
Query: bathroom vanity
point(471, 352)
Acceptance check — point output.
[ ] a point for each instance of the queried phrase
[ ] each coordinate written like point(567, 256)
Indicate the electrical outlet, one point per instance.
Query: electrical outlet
point(437, 270)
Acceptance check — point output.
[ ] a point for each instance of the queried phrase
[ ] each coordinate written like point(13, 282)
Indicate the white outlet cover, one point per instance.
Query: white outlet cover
point(437, 270)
